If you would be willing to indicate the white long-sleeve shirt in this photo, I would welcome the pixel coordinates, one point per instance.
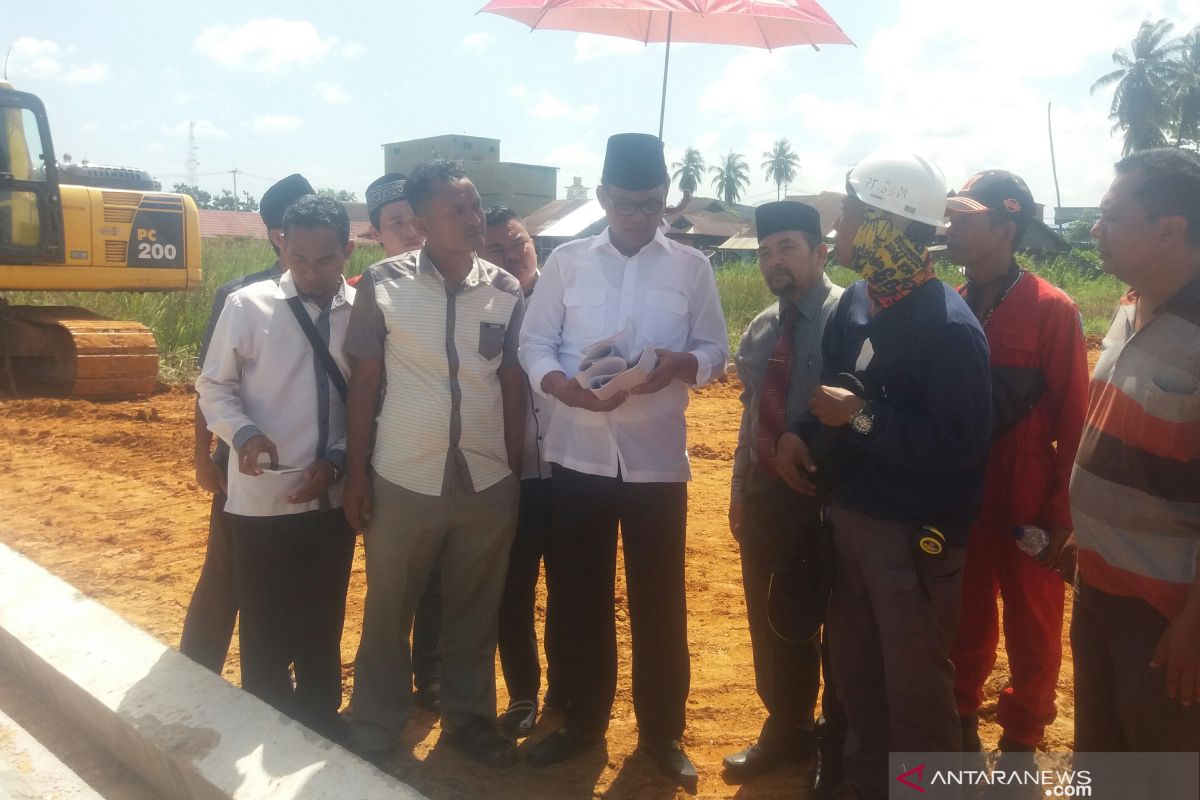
(588, 291)
(261, 376)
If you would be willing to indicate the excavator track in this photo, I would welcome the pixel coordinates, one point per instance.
(72, 352)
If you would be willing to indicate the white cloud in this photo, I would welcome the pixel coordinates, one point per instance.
(203, 129)
(351, 51)
(741, 93)
(183, 97)
(90, 127)
(132, 125)
(587, 113)
(573, 159)
(43, 59)
(593, 47)
(977, 38)
(476, 42)
(331, 92)
(272, 46)
(550, 107)
(275, 123)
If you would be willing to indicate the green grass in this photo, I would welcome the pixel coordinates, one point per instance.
(178, 318)
(743, 293)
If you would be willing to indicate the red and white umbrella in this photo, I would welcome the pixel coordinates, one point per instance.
(752, 23)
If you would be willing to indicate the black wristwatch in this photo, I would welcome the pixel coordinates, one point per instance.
(863, 420)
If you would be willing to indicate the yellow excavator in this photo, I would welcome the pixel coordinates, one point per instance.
(77, 238)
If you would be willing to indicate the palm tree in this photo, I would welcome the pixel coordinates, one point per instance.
(1187, 90)
(731, 178)
(780, 165)
(1142, 99)
(689, 171)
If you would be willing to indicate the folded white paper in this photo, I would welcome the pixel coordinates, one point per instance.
(605, 369)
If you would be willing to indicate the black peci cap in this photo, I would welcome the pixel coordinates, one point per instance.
(786, 215)
(282, 194)
(634, 161)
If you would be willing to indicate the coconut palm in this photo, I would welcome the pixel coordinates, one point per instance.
(780, 165)
(689, 171)
(1144, 79)
(731, 178)
(1187, 91)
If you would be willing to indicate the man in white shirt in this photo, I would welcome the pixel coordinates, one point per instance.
(279, 401)
(623, 461)
(444, 325)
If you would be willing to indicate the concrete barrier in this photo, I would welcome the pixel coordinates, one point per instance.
(183, 729)
(27, 769)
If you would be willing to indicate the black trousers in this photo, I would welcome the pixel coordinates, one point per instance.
(1121, 704)
(653, 520)
(292, 575)
(517, 640)
(786, 674)
(208, 626)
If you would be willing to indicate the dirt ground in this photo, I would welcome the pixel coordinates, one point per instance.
(103, 495)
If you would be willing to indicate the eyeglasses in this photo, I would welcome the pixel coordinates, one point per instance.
(650, 208)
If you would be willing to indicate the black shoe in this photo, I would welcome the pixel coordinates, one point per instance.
(479, 741)
(1007, 745)
(559, 746)
(673, 761)
(429, 697)
(970, 733)
(754, 760)
(518, 720)
(828, 778)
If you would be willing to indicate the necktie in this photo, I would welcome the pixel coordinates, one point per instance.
(772, 405)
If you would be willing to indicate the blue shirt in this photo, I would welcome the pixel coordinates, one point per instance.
(929, 383)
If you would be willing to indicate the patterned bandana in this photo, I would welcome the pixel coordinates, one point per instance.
(892, 263)
(385, 193)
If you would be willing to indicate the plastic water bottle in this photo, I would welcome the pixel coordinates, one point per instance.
(1031, 539)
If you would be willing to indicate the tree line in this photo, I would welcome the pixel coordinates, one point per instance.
(730, 178)
(1156, 94)
(226, 201)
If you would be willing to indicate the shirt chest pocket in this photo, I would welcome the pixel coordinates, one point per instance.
(491, 339)
(584, 313)
(1019, 348)
(666, 318)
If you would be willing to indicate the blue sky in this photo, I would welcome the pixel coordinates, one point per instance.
(317, 88)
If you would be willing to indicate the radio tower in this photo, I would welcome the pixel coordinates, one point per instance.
(191, 164)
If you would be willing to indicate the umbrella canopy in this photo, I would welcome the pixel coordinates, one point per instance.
(765, 23)
(751, 23)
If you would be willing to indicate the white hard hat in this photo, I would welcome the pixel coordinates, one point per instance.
(903, 184)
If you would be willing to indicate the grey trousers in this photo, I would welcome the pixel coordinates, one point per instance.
(408, 532)
(891, 621)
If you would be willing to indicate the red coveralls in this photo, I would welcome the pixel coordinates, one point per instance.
(1028, 476)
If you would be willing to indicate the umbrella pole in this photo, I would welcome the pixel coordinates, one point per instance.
(662, 111)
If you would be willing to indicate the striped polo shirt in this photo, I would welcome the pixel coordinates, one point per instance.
(441, 425)
(1135, 490)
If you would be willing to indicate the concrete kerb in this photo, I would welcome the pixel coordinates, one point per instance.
(27, 769)
(186, 731)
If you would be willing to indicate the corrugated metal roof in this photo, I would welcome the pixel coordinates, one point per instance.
(249, 225)
(574, 222)
(549, 214)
